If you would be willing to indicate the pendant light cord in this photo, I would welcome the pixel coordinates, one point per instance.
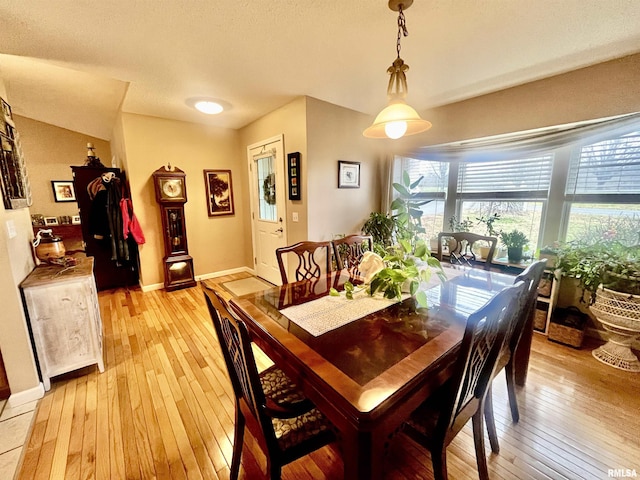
(402, 28)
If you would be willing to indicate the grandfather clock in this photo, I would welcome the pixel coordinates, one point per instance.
(171, 194)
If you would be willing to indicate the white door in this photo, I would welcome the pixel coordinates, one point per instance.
(266, 171)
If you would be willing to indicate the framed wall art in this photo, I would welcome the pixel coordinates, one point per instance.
(219, 190)
(348, 174)
(294, 175)
(51, 221)
(63, 191)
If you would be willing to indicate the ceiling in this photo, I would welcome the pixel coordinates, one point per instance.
(74, 64)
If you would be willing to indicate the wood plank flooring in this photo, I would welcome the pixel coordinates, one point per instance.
(163, 408)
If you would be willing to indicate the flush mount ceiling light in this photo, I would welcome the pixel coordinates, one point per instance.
(210, 106)
(397, 119)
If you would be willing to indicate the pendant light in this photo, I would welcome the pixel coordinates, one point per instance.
(397, 119)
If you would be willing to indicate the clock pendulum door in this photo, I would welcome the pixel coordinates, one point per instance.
(171, 193)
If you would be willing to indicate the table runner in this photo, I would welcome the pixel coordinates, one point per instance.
(328, 313)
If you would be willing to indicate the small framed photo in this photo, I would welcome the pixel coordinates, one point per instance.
(75, 220)
(293, 174)
(51, 220)
(63, 191)
(348, 174)
(219, 192)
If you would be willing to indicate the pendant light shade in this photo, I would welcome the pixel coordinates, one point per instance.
(397, 119)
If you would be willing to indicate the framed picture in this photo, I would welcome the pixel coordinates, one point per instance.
(63, 191)
(293, 174)
(75, 220)
(37, 219)
(219, 192)
(51, 220)
(348, 174)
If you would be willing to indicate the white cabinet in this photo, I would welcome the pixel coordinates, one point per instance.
(62, 306)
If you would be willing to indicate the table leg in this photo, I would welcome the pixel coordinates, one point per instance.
(363, 456)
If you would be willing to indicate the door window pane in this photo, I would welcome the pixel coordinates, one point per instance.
(266, 177)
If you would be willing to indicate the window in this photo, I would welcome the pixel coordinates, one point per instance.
(603, 191)
(432, 187)
(517, 190)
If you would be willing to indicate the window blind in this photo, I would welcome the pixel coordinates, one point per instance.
(522, 177)
(606, 167)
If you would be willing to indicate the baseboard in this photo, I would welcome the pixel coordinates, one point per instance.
(150, 288)
(26, 396)
(222, 273)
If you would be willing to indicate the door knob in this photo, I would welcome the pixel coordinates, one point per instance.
(280, 230)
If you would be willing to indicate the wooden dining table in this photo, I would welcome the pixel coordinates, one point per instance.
(367, 375)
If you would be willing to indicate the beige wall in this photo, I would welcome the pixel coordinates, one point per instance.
(335, 133)
(215, 243)
(16, 262)
(288, 120)
(603, 90)
(50, 152)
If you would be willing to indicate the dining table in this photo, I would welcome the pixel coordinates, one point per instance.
(366, 362)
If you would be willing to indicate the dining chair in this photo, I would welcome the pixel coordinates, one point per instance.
(522, 319)
(314, 260)
(286, 425)
(348, 250)
(461, 248)
(439, 419)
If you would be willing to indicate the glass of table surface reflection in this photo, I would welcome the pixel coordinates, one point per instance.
(368, 374)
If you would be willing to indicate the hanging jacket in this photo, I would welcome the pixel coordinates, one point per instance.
(130, 224)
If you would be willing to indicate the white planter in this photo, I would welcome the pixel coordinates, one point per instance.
(619, 314)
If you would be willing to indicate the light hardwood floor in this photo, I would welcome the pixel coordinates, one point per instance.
(163, 409)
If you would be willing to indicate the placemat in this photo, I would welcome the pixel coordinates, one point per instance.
(328, 313)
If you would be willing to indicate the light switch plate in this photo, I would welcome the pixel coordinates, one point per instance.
(295, 216)
(11, 229)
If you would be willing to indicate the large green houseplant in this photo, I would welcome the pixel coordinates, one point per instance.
(610, 271)
(407, 262)
(610, 263)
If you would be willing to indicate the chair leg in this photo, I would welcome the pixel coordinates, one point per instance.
(478, 440)
(490, 421)
(511, 390)
(275, 470)
(439, 461)
(238, 441)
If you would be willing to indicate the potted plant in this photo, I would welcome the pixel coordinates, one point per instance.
(610, 272)
(514, 240)
(406, 264)
(381, 227)
(490, 231)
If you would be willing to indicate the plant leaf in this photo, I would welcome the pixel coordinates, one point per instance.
(421, 299)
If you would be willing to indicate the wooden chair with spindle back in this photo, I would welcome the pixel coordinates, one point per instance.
(348, 251)
(314, 260)
(461, 251)
(286, 425)
(439, 419)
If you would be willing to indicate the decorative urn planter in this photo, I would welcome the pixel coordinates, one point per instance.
(619, 314)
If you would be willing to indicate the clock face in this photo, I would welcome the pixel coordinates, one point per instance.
(171, 188)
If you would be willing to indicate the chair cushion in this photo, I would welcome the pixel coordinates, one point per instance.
(278, 387)
(291, 432)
